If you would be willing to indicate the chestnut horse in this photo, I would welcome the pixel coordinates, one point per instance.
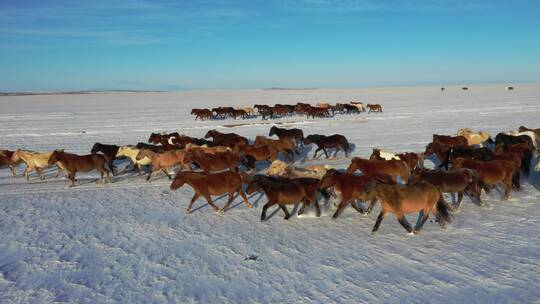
(225, 139)
(455, 181)
(5, 160)
(213, 162)
(202, 114)
(284, 191)
(73, 163)
(374, 107)
(258, 153)
(211, 184)
(350, 187)
(450, 141)
(424, 198)
(323, 142)
(490, 173)
(393, 168)
(522, 150)
(295, 134)
(164, 160)
(284, 145)
(317, 112)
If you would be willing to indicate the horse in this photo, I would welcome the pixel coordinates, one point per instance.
(261, 107)
(5, 160)
(183, 140)
(455, 181)
(279, 168)
(211, 184)
(201, 114)
(131, 153)
(73, 163)
(154, 148)
(238, 113)
(356, 109)
(285, 145)
(349, 188)
(302, 108)
(522, 150)
(323, 142)
(508, 139)
(475, 138)
(536, 131)
(218, 161)
(284, 191)
(249, 110)
(450, 141)
(359, 105)
(109, 151)
(261, 152)
(424, 198)
(205, 149)
(441, 151)
(164, 139)
(34, 161)
(163, 161)
(534, 139)
(266, 113)
(280, 110)
(225, 139)
(393, 168)
(382, 155)
(295, 134)
(374, 108)
(490, 173)
(318, 112)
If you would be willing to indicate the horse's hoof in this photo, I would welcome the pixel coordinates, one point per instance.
(188, 211)
(250, 206)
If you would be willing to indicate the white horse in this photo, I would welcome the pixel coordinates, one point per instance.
(531, 134)
(131, 153)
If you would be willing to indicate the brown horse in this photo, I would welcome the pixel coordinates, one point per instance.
(225, 139)
(400, 200)
(323, 142)
(202, 114)
(284, 191)
(295, 134)
(284, 145)
(258, 153)
(393, 168)
(164, 139)
(490, 173)
(450, 141)
(441, 151)
(164, 160)
(455, 181)
(350, 187)
(317, 112)
(374, 107)
(211, 184)
(239, 113)
(412, 159)
(5, 160)
(72, 163)
(213, 162)
(522, 150)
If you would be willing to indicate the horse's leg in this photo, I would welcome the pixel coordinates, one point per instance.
(378, 222)
(371, 205)
(508, 186)
(39, 172)
(193, 199)
(150, 175)
(357, 208)
(325, 153)
(26, 172)
(164, 170)
(265, 207)
(315, 155)
(209, 200)
(304, 204)
(317, 208)
(340, 207)
(71, 176)
(244, 197)
(13, 173)
(403, 221)
(422, 218)
(459, 198)
(287, 215)
(231, 194)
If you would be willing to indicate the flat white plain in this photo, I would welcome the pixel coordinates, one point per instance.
(131, 242)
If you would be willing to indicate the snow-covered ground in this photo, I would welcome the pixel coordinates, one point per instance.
(131, 242)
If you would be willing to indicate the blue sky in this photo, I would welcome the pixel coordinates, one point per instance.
(174, 45)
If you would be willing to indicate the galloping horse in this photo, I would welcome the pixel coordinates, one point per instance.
(5, 160)
(400, 200)
(109, 151)
(374, 108)
(393, 168)
(202, 114)
(285, 145)
(213, 162)
(131, 153)
(323, 142)
(295, 134)
(212, 184)
(34, 161)
(163, 161)
(225, 139)
(72, 163)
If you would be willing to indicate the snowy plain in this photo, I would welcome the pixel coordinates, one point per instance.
(131, 242)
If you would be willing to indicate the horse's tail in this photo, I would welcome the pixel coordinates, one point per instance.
(345, 144)
(443, 211)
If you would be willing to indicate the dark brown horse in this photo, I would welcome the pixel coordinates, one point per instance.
(424, 198)
(211, 184)
(295, 134)
(317, 112)
(350, 187)
(455, 181)
(284, 191)
(225, 139)
(5, 160)
(284, 145)
(72, 163)
(323, 142)
(393, 168)
(214, 162)
(522, 150)
(490, 173)
(509, 140)
(202, 114)
(109, 151)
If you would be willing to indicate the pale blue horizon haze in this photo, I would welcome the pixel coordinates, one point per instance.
(176, 45)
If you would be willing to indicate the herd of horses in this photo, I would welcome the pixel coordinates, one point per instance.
(222, 163)
(320, 110)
